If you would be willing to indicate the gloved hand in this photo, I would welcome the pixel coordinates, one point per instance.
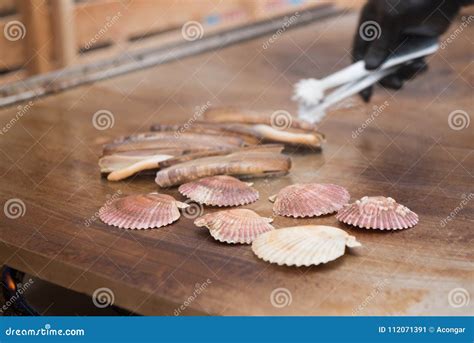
(384, 26)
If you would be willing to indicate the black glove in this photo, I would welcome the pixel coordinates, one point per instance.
(385, 25)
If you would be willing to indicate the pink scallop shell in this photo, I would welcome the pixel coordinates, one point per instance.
(235, 226)
(141, 211)
(309, 200)
(221, 190)
(378, 213)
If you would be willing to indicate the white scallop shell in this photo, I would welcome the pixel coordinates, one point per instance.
(303, 245)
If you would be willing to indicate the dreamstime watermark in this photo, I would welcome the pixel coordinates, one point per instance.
(192, 30)
(22, 288)
(286, 24)
(459, 120)
(14, 30)
(199, 288)
(465, 21)
(21, 111)
(281, 297)
(108, 202)
(370, 30)
(458, 297)
(103, 120)
(103, 297)
(375, 291)
(376, 111)
(109, 22)
(198, 112)
(281, 120)
(14, 208)
(454, 213)
(193, 210)
(44, 331)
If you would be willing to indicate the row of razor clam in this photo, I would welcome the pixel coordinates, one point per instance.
(225, 141)
(204, 160)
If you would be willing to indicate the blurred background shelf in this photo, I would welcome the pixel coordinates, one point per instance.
(54, 34)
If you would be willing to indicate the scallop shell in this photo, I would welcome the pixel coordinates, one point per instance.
(309, 200)
(235, 226)
(221, 190)
(303, 245)
(141, 211)
(378, 213)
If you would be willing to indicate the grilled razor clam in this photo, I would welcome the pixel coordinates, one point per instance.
(170, 140)
(289, 136)
(111, 163)
(249, 136)
(277, 148)
(146, 164)
(121, 160)
(135, 165)
(240, 164)
(158, 162)
(279, 120)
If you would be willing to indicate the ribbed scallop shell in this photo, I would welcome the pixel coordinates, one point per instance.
(378, 213)
(303, 245)
(309, 200)
(141, 211)
(235, 226)
(221, 190)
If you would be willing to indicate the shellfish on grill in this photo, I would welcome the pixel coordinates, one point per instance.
(235, 226)
(377, 212)
(243, 132)
(277, 127)
(141, 211)
(242, 116)
(118, 161)
(309, 200)
(247, 162)
(141, 165)
(303, 245)
(166, 140)
(120, 167)
(220, 190)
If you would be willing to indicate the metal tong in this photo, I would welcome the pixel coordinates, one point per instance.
(310, 93)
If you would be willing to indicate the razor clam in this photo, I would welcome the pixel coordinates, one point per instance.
(239, 164)
(146, 164)
(290, 136)
(121, 160)
(249, 136)
(163, 140)
(114, 163)
(285, 130)
(188, 157)
(236, 115)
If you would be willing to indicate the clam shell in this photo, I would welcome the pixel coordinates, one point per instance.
(235, 226)
(309, 200)
(221, 190)
(141, 211)
(303, 245)
(259, 161)
(378, 213)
